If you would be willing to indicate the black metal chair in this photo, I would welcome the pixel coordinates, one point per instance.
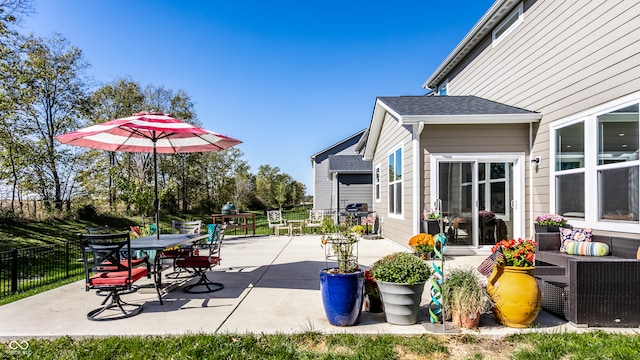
(99, 230)
(109, 272)
(181, 227)
(200, 264)
(135, 261)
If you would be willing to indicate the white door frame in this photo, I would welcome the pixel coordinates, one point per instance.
(518, 201)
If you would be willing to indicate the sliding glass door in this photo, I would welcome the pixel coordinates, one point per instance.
(481, 198)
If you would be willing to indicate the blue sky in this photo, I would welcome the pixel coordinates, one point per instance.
(288, 78)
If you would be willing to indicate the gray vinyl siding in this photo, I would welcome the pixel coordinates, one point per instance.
(398, 230)
(466, 139)
(355, 188)
(566, 57)
(322, 185)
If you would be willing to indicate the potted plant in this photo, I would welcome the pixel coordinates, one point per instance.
(511, 286)
(431, 222)
(357, 229)
(549, 223)
(422, 245)
(341, 286)
(464, 297)
(372, 300)
(400, 277)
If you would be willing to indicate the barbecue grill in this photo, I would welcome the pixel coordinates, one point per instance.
(356, 211)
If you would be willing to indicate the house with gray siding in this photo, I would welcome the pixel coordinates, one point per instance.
(341, 176)
(535, 111)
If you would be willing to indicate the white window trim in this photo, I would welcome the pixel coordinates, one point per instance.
(496, 40)
(591, 167)
(518, 180)
(391, 215)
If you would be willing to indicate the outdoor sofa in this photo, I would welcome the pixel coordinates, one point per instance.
(590, 290)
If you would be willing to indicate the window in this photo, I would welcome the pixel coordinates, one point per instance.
(376, 182)
(395, 182)
(507, 25)
(598, 153)
(442, 89)
(569, 167)
(618, 164)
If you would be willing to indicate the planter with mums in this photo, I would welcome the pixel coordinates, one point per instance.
(401, 277)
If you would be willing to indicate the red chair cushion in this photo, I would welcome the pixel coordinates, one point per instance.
(198, 261)
(107, 266)
(117, 278)
(176, 252)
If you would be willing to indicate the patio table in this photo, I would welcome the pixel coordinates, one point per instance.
(151, 243)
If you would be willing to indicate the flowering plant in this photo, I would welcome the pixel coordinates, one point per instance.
(513, 252)
(370, 285)
(358, 229)
(550, 219)
(486, 214)
(369, 220)
(422, 243)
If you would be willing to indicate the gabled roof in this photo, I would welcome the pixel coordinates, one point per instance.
(352, 164)
(340, 143)
(484, 26)
(403, 107)
(425, 110)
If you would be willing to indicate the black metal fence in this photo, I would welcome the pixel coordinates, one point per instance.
(29, 268)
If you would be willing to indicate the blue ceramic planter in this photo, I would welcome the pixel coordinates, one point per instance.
(342, 297)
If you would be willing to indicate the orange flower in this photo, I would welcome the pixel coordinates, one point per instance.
(516, 252)
(422, 242)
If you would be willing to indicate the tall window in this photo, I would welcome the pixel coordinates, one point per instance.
(376, 182)
(597, 167)
(395, 182)
(618, 164)
(570, 170)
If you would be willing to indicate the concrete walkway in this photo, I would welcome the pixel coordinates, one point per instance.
(271, 286)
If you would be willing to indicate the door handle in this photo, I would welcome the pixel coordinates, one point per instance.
(514, 204)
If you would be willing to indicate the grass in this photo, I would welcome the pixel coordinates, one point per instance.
(18, 233)
(312, 345)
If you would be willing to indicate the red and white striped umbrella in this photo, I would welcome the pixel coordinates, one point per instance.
(148, 132)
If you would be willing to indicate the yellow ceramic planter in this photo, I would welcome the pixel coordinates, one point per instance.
(515, 295)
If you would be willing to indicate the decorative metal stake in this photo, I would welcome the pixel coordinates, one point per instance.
(436, 280)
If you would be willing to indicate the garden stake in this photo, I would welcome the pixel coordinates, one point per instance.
(436, 280)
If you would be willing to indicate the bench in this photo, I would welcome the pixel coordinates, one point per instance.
(590, 290)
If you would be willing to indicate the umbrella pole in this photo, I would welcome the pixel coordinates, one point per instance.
(156, 203)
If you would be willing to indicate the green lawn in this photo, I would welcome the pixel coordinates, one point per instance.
(312, 345)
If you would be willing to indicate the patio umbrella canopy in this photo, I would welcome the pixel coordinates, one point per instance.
(148, 132)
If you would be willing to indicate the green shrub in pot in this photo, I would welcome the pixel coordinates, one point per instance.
(402, 268)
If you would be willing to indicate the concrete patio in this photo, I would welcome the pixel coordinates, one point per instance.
(271, 286)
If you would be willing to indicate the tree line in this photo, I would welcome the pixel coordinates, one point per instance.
(45, 90)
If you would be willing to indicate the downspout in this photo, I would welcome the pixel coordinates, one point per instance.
(417, 176)
(531, 166)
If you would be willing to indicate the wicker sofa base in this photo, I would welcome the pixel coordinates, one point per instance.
(554, 291)
(588, 290)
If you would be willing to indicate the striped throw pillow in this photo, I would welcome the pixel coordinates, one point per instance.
(585, 248)
(567, 234)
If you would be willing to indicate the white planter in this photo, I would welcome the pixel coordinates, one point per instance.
(401, 302)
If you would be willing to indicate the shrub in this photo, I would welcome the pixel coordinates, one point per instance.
(87, 212)
(401, 267)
